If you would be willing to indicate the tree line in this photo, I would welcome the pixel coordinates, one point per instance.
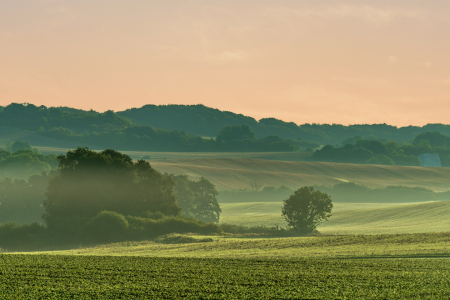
(362, 151)
(182, 128)
(145, 138)
(107, 189)
(103, 197)
(205, 121)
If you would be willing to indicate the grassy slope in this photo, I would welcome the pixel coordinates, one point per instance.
(405, 245)
(375, 222)
(238, 173)
(349, 218)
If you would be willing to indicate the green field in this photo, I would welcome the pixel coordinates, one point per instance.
(237, 170)
(365, 250)
(350, 218)
(239, 173)
(319, 247)
(371, 266)
(96, 277)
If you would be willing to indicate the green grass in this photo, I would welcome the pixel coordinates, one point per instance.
(233, 173)
(95, 277)
(349, 246)
(351, 218)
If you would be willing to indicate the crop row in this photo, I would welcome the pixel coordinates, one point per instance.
(100, 277)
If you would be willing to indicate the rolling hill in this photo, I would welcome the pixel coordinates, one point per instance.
(240, 173)
(351, 218)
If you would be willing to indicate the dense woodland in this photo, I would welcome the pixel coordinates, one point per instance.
(22, 161)
(110, 130)
(191, 128)
(97, 197)
(361, 151)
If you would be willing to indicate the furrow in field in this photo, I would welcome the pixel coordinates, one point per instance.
(238, 173)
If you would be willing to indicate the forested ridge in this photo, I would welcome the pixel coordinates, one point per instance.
(206, 121)
(192, 128)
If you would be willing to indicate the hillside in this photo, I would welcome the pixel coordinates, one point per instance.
(351, 218)
(207, 121)
(9, 135)
(236, 173)
(181, 128)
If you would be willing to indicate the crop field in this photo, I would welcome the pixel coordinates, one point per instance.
(350, 218)
(239, 173)
(261, 247)
(95, 277)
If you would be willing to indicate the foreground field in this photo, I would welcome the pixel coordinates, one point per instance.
(63, 277)
(239, 173)
(81, 277)
(350, 218)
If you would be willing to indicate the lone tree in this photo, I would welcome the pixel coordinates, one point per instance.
(306, 208)
(90, 182)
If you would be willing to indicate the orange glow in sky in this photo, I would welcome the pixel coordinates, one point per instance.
(312, 61)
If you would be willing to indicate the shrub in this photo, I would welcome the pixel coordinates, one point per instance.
(175, 238)
(27, 237)
(106, 227)
(154, 215)
(380, 159)
(144, 228)
(260, 230)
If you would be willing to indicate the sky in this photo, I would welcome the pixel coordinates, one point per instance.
(309, 61)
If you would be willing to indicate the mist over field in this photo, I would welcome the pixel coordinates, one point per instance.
(224, 149)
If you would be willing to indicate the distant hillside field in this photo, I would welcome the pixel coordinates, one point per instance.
(240, 173)
(351, 218)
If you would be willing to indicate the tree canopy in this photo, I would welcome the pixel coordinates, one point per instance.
(24, 163)
(181, 128)
(306, 208)
(198, 199)
(90, 182)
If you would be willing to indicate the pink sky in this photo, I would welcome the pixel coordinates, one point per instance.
(303, 61)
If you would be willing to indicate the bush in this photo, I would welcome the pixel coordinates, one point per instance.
(106, 227)
(28, 237)
(67, 230)
(259, 230)
(144, 228)
(175, 238)
(380, 159)
(154, 215)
